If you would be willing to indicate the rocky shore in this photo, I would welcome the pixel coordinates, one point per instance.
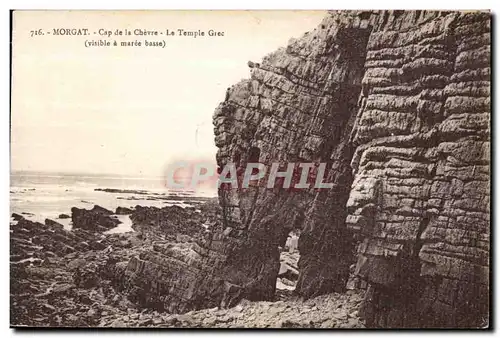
(328, 311)
(82, 277)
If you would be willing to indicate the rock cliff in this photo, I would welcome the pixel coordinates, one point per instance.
(397, 103)
(420, 195)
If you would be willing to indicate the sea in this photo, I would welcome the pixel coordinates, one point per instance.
(41, 195)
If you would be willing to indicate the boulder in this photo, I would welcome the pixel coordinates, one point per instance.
(123, 211)
(97, 219)
(16, 217)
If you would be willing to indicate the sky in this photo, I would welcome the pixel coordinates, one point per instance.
(131, 110)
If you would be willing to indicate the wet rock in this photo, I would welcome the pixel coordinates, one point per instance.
(34, 241)
(169, 222)
(97, 219)
(123, 211)
(52, 223)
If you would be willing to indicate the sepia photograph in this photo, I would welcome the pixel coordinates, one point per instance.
(271, 169)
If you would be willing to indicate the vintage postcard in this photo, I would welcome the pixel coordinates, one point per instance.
(250, 169)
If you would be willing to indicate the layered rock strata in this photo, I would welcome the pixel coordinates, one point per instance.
(420, 195)
(33, 242)
(76, 277)
(397, 103)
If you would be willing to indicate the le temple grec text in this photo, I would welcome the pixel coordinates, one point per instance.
(104, 32)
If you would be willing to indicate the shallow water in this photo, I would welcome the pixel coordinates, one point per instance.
(38, 196)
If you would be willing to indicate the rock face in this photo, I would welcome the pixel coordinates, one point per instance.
(174, 275)
(420, 195)
(397, 103)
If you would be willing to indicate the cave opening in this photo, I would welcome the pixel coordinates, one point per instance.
(288, 273)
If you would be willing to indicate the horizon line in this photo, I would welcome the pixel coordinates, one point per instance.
(76, 173)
